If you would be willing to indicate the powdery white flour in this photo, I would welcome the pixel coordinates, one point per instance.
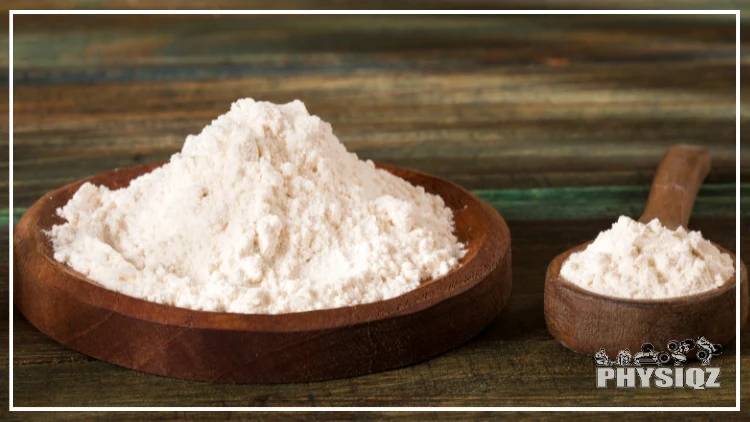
(263, 212)
(648, 261)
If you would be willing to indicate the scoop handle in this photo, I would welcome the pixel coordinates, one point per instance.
(676, 184)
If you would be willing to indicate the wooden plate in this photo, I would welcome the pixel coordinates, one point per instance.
(296, 347)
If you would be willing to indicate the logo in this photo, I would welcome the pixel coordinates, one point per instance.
(650, 366)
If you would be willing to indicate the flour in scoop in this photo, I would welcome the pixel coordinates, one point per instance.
(263, 212)
(648, 261)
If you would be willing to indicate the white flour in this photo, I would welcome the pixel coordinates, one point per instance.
(648, 261)
(263, 212)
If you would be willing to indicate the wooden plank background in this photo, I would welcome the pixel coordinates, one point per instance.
(540, 114)
(514, 362)
(489, 102)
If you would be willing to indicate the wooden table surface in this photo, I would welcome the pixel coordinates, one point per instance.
(557, 121)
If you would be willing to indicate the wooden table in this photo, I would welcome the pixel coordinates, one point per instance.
(557, 121)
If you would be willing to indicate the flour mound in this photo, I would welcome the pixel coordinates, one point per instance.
(263, 212)
(648, 261)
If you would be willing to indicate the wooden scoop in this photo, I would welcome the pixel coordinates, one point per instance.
(296, 347)
(585, 321)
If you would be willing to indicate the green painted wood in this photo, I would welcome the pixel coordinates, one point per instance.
(582, 203)
(504, 102)
(169, 47)
(544, 117)
(513, 362)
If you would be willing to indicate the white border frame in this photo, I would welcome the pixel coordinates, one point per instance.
(736, 13)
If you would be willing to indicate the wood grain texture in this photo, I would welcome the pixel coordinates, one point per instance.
(388, 416)
(374, 4)
(514, 361)
(487, 102)
(577, 203)
(238, 348)
(490, 103)
(675, 186)
(587, 322)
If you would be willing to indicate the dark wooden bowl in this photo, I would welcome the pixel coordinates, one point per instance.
(296, 347)
(585, 321)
